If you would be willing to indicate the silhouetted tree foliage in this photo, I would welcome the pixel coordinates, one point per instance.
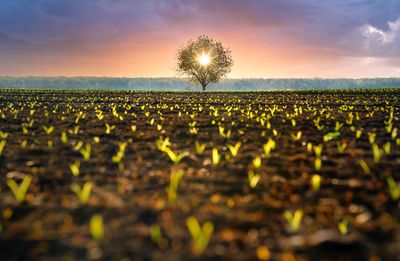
(219, 65)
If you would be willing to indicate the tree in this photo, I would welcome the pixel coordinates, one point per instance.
(204, 61)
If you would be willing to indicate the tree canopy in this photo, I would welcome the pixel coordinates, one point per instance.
(204, 61)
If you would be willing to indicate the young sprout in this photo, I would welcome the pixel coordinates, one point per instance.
(376, 152)
(48, 130)
(82, 193)
(175, 157)
(24, 143)
(222, 133)
(109, 128)
(97, 227)
(86, 151)
(338, 126)
(293, 122)
(234, 149)
(296, 137)
(309, 147)
(318, 150)
(364, 166)
(394, 133)
(121, 153)
(2, 146)
(216, 157)
(253, 179)
(162, 145)
(19, 191)
(3, 135)
(394, 189)
(159, 127)
(200, 147)
(294, 219)
(172, 189)
(343, 226)
(331, 135)
(155, 234)
(200, 234)
(268, 147)
(133, 128)
(358, 134)
(74, 167)
(341, 147)
(387, 147)
(64, 137)
(371, 137)
(316, 182)
(96, 139)
(257, 162)
(317, 164)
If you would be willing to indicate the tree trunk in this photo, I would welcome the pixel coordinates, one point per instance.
(204, 87)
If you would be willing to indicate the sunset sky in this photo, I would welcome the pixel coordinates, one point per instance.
(139, 38)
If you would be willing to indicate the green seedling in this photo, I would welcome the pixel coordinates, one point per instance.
(172, 189)
(175, 157)
(364, 166)
(318, 164)
(387, 147)
(97, 227)
(133, 128)
(155, 234)
(3, 135)
(394, 189)
(343, 226)
(82, 193)
(64, 137)
(376, 152)
(223, 134)
(78, 146)
(338, 126)
(162, 145)
(121, 153)
(371, 137)
(109, 128)
(394, 133)
(341, 147)
(316, 182)
(309, 147)
(253, 179)
(331, 135)
(318, 150)
(200, 234)
(86, 151)
(256, 162)
(358, 134)
(296, 137)
(2, 146)
(216, 157)
(19, 191)
(200, 147)
(294, 219)
(268, 147)
(74, 167)
(48, 130)
(234, 149)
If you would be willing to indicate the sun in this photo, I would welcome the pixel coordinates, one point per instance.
(204, 59)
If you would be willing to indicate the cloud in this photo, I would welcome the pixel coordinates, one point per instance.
(380, 42)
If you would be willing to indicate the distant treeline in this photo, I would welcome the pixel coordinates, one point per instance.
(183, 84)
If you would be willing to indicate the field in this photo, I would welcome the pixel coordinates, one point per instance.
(107, 175)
